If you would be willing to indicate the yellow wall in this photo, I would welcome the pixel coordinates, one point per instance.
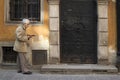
(112, 24)
(7, 31)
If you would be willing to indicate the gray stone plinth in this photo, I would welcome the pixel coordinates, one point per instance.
(78, 69)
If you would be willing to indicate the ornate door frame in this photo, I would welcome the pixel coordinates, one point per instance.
(54, 50)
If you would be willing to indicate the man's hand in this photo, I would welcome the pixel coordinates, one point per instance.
(30, 36)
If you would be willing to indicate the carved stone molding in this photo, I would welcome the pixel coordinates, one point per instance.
(53, 1)
(113, 0)
(103, 1)
(54, 53)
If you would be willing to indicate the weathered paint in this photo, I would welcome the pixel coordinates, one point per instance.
(112, 24)
(7, 31)
(112, 32)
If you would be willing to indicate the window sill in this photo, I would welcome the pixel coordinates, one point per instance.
(19, 22)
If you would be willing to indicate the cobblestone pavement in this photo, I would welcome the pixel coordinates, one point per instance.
(13, 75)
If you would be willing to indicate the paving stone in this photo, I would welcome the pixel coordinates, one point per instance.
(13, 75)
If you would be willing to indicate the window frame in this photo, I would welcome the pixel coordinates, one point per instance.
(7, 15)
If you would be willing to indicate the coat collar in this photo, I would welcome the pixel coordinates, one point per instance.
(23, 27)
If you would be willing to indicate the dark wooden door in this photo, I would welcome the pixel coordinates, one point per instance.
(118, 27)
(78, 31)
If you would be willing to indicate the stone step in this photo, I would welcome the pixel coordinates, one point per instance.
(78, 69)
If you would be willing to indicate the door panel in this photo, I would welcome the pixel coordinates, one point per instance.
(78, 31)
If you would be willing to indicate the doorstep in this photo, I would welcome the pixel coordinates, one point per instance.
(78, 68)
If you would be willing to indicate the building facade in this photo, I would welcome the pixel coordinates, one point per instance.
(68, 31)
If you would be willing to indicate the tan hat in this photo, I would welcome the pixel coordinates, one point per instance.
(26, 21)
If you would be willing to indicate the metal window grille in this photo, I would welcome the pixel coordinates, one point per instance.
(39, 57)
(20, 9)
(9, 56)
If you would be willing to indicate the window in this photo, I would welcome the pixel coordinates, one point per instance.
(9, 56)
(16, 10)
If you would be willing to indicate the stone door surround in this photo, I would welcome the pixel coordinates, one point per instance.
(102, 50)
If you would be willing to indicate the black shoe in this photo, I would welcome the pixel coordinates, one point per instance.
(19, 71)
(28, 72)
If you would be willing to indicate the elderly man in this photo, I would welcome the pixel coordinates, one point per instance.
(21, 46)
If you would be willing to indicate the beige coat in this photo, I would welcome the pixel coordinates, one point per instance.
(21, 41)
